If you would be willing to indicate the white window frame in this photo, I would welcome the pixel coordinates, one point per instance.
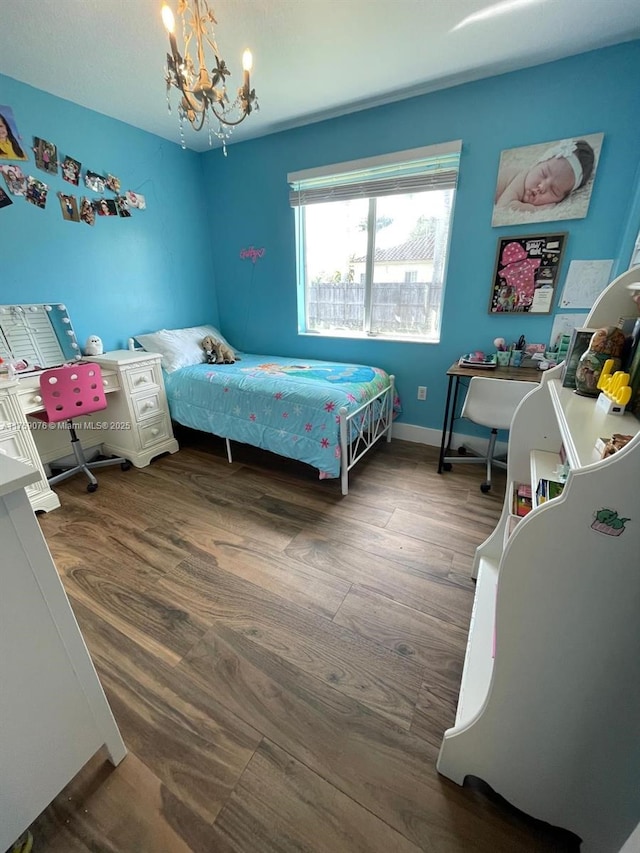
(414, 170)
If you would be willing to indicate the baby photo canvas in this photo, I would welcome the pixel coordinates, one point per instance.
(546, 182)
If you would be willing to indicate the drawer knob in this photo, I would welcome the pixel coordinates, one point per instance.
(37, 398)
(147, 406)
(142, 380)
(155, 431)
(105, 382)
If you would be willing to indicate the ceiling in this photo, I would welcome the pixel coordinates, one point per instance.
(313, 59)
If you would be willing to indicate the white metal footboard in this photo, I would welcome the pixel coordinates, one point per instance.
(370, 425)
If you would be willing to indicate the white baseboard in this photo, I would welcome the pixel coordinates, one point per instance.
(433, 437)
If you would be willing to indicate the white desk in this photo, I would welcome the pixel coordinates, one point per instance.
(136, 423)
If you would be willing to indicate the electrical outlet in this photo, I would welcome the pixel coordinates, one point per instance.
(422, 392)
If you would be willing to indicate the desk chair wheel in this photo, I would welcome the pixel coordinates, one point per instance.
(124, 466)
(447, 466)
(92, 487)
(462, 450)
(485, 487)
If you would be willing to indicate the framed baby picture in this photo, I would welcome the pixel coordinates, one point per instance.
(546, 182)
(526, 273)
(580, 340)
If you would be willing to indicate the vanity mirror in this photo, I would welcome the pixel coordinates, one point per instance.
(37, 336)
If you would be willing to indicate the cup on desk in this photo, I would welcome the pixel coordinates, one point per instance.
(503, 357)
(516, 358)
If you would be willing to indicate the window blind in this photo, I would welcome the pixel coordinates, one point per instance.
(420, 169)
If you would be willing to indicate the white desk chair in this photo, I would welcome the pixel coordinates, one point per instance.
(490, 403)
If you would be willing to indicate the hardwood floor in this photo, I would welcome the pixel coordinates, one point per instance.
(281, 661)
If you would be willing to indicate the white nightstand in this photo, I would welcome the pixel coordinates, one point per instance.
(139, 424)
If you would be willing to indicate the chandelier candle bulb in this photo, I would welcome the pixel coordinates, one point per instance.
(247, 62)
(168, 20)
(170, 25)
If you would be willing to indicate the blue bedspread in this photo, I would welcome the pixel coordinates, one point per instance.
(286, 405)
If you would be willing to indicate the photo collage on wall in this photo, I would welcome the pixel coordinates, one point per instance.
(47, 159)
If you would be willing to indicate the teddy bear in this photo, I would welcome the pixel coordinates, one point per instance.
(217, 352)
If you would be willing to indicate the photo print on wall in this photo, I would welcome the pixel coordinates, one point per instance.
(5, 200)
(113, 183)
(15, 179)
(546, 182)
(136, 200)
(46, 155)
(123, 205)
(94, 181)
(69, 207)
(36, 192)
(105, 207)
(87, 213)
(71, 170)
(11, 147)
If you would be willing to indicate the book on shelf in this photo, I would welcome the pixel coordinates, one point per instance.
(522, 499)
(547, 490)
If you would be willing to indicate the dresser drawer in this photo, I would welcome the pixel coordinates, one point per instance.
(147, 406)
(142, 378)
(155, 431)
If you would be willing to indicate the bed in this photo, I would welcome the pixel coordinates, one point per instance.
(326, 414)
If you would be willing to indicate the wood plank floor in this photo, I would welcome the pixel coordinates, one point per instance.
(281, 661)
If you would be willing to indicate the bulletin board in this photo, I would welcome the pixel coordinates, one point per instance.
(526, 273)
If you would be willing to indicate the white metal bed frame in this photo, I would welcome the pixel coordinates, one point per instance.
(371, 429)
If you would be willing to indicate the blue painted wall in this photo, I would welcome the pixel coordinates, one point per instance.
(177, 263)
(122, 276)
(590, 93)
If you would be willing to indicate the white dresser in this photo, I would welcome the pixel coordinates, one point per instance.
(136, 423)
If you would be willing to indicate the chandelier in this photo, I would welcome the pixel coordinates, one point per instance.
(204, 93)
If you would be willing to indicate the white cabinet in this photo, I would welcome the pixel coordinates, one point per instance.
(53, 712)
(549, 706)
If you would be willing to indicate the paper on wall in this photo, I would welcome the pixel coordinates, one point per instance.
(563, 324)
(584, 283)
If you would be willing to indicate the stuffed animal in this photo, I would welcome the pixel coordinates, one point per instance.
(217, 352)
(93, 346)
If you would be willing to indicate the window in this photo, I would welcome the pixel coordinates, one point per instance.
(372, 239)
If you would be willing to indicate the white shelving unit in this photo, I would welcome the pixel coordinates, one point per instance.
(549, 705)
(53, 712)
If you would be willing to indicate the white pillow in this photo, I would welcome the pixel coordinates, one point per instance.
(179, 347)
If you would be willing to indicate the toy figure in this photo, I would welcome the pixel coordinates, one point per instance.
(217, 352)
(605, 344)
(93, 346)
